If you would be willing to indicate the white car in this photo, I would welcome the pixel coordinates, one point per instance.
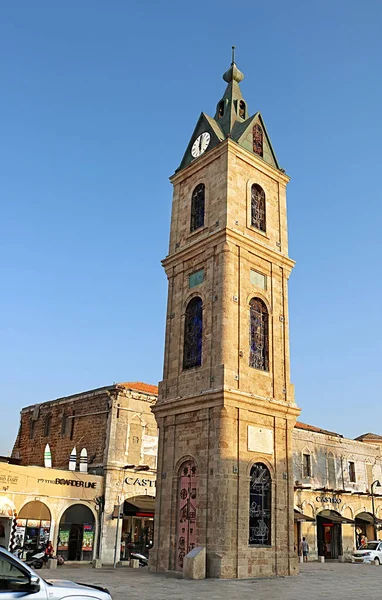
(372, 552)
(17, 580)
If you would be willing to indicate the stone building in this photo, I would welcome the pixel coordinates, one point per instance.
(226, 408)
(114, 426)
(336, 484)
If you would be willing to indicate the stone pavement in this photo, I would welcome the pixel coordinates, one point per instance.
(315, 582)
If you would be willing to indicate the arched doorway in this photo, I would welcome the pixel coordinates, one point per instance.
(76, 533)
(32, 527)
(364, 526)
(138, 525)
(329, 533)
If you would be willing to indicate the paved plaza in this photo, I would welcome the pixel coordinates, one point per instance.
(316, 582)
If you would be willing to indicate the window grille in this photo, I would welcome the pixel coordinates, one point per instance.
(258, 140)
(193, 334)
(258, 207)
(258, 334)
(197, 207)
(260, 505)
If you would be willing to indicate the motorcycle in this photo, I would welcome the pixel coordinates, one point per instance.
(36, 561)
(143, 560)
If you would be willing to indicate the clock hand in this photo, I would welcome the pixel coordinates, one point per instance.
(200, 144)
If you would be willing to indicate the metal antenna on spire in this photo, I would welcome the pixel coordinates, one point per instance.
(233, 54)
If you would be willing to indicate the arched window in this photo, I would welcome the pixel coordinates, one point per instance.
(258, 140)
(260, 505)
(242, 109)
(187, 511)
(258, 207)
(220, 109)
(197, 207)
(258, 335)
(193, 334)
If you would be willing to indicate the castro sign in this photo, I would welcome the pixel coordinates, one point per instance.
(141, 482)
(329, 499)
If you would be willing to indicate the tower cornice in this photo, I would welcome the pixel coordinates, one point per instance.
(226, 147)
(227, 235)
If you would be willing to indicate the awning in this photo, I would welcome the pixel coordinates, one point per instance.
(367, 518)
(299, 516)
(330, 515)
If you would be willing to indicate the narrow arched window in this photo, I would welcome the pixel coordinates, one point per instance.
(220, 109)
(193, 334)
(258, 140)
(197, 207)
(258, 335)
(260, 505)
(242, 109)
(258, 207)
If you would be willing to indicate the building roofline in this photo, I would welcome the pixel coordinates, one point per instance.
(95, 392)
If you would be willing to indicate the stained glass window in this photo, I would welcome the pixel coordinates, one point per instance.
(193, 334)
(260, 505)
(258, 140)
(258, 335)
(197, 207)
(258, 207)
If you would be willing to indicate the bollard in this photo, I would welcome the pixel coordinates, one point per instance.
(321, 559)
(341, 559)
(134, 563)
(97, 564)
(52, 563)
(300, 559)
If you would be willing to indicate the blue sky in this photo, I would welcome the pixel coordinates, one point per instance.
(98, 101)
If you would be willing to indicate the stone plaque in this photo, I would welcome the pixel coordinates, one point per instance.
(260, 440)
(258, 279)
(196, 278)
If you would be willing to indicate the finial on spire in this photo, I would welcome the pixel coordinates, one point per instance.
(233, 55)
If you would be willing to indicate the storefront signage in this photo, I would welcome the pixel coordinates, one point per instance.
(138, 481)
(329, 499)
(73, 482)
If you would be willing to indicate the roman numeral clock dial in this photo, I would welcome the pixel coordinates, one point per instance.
(200, 145)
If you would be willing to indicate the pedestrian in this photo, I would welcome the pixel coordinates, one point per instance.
(304, 548)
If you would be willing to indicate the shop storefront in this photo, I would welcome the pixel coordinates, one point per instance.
(75, 539)
(33, 525)
(7, 511)
(329, 533)
(137, 526)
(42, 504)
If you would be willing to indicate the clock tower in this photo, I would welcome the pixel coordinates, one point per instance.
(226, 409)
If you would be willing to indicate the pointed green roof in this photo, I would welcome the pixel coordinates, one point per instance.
(232, 120)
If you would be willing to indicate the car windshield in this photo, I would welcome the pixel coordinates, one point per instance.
(371, 546)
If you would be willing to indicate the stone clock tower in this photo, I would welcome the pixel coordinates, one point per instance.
(226, 407)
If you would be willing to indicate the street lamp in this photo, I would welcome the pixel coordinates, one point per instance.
(120, 507)
(376, 484)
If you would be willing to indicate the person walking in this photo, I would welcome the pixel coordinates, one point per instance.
(304, 548)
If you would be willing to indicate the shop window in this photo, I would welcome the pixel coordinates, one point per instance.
(258, 207)
(260, 505)
(76, 533)
(197, 207)
(47, 425)
(193, 334)
(306, 465)
(258, 335)
(187, 511)
(351, 466)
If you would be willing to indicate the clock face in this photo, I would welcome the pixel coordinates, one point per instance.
(200, 145)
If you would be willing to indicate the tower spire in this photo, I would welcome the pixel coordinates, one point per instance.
(232, 106)
(233, 55)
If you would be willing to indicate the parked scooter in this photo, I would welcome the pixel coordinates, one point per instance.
(36, 561)
(143, 560)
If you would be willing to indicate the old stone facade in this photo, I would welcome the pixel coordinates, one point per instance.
(117, 428)
(226, 409)
(333, 486)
